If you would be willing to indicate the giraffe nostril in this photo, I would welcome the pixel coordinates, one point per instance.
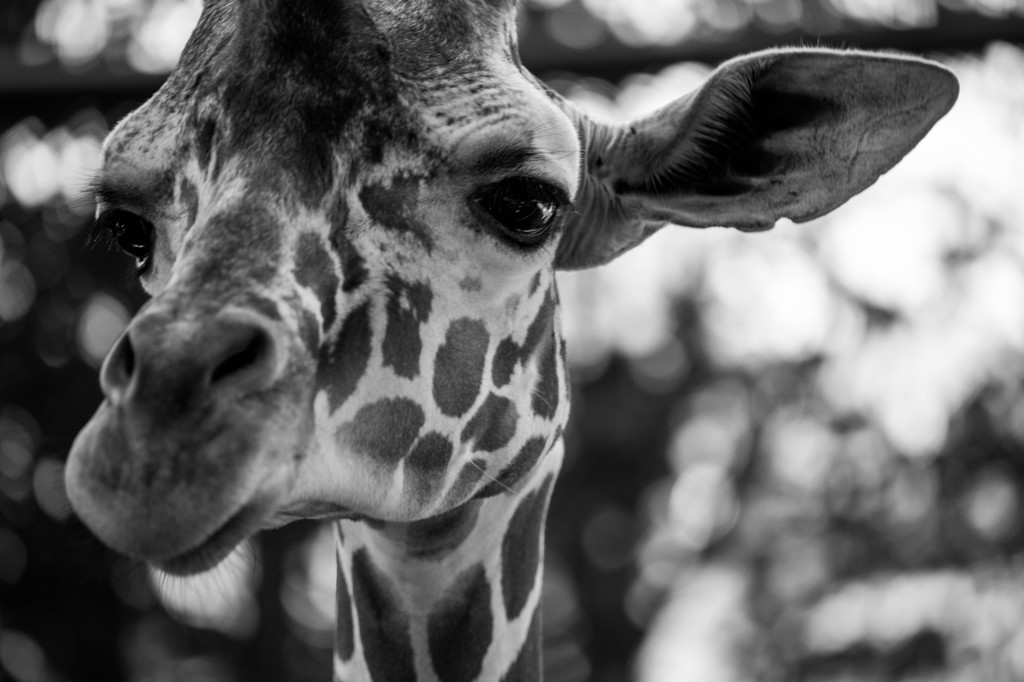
(118, 368)
(226, 354)
(128, 358)
(248, 354)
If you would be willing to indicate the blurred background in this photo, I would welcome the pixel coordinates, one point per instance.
(793, 456)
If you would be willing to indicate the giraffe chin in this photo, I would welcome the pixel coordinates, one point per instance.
(125, 492)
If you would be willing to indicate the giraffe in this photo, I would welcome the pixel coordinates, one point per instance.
(348, 215)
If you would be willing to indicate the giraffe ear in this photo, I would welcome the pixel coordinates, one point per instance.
(778, 134)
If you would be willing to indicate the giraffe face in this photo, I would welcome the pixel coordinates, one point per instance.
(353, 308)
(348, 215)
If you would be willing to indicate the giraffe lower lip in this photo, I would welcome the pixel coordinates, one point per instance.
(217, 546)
(315, 511)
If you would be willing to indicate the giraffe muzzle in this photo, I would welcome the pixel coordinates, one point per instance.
(180, 362)
(198, 440)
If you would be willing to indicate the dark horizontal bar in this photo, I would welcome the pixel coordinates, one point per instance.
(611, 59)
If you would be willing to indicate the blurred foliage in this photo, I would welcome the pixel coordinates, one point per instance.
(841, 418)
(146, 36)
(793, 456)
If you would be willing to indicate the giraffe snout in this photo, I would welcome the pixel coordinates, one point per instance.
(198, 441)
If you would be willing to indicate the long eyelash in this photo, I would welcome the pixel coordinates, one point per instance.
(93, 186)
(141, 269)
(133, 278)
(92, 189)
(101, 234)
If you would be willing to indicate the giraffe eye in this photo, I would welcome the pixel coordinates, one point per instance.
(133, 234)
(526, 209)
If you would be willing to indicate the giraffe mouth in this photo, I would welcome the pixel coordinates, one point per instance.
(313, 511)
(218, 544)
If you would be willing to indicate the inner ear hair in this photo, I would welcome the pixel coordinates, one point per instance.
(720, 128)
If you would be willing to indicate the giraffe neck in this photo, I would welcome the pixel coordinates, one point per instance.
(454, 598)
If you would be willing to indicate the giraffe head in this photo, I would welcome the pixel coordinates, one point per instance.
(349, 215)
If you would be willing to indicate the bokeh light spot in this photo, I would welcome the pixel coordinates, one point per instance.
(643, 23)
(705, 439)
(993, 505)
(801, 450)
(17, 291)
(102, 320)
(77, 30)
(702, 506)
(22, 657)
(159, 38)
(38, 166)
(662, 370)
(307, 594)
(18, 440)
(767, 303)
(692, 637)
(31, 166)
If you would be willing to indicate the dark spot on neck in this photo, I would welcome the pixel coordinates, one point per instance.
(383, 623)
(521, 548)
(527, 666)
(460, 627)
